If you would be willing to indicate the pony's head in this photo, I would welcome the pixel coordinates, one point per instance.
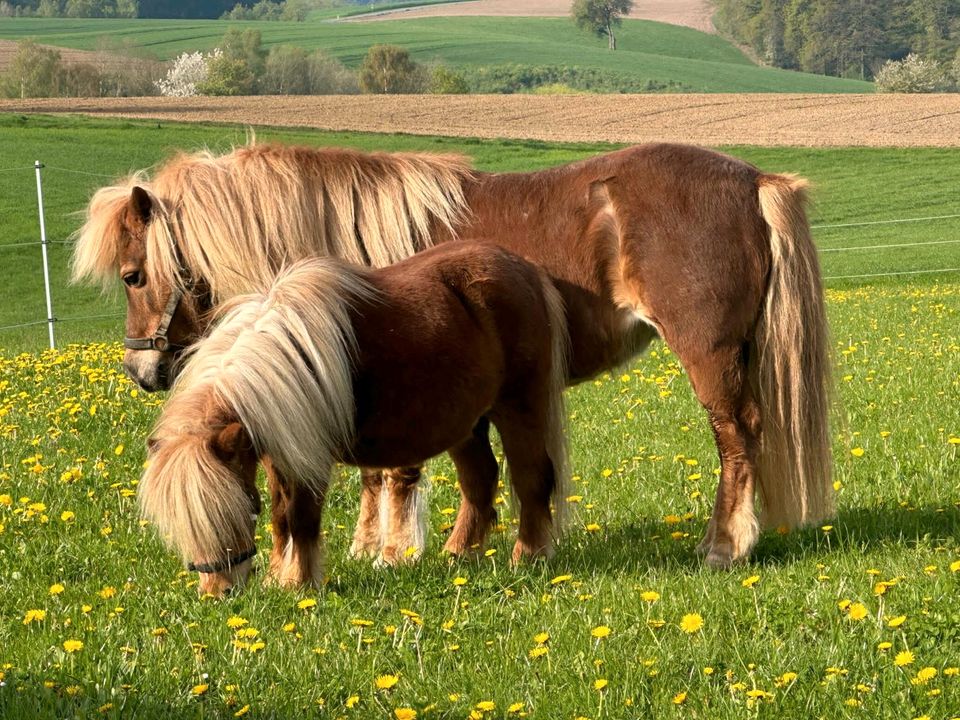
(127, 235)
(199, 488)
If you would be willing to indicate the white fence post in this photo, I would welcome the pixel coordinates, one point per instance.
(43, 245)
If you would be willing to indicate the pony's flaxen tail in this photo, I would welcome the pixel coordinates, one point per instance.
(792, 366)
(556, 435)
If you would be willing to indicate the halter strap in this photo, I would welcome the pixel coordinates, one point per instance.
(159, 340)
(222, 565)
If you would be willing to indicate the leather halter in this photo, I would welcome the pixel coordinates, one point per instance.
(222, 565)
(159, 340)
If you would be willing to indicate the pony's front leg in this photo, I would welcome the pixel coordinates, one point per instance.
(367, 538)
(297, 556)
(403, 524)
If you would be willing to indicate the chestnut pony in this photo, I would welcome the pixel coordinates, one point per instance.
(705, 251)
(383, 368)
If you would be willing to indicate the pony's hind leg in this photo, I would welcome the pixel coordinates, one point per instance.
(367, 539)
(719, 378)
(297, 556)
(477, 473)
(402, 520)
(533, 479)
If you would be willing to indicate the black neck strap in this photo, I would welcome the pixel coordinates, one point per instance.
(222, 565)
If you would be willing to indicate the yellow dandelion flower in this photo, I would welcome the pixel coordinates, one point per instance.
(591, 527)
(405, 713)
(453, 697)
(951, 671)
(352, 701)
(600, 684)
(486, 706)
(236, 622)
(750, 581)
(118, 450)
(289, 627)
(67, 516)
(904, 657)
(361, 622)
(459, 581)
(649, 596)
(242, 711)
(385, 682)
(926, 674)
(857, 611)
(56, 588)
(108, 592)
(306, 604)
(955, 566)
(884, 646)
(680, 698)
(600, 632)
(200, 689)
(32, 616)
(516, 708)
(785, 679)
(857, 452)
(691, 623)
(72, 646)
(897, 621)
(560, 579)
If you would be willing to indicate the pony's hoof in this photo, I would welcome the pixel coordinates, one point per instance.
(360, 549)
(523, 551)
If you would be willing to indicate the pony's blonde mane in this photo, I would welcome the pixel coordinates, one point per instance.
(281, 364)
(235, 220)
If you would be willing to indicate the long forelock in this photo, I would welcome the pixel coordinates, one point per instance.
(197, 503)
(98, 242)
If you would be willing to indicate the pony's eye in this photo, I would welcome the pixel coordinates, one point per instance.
(132, 279)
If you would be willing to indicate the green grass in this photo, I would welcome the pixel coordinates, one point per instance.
(646, 50)
(71, 441)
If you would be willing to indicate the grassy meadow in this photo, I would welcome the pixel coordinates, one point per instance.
(680, 57)
(855, 619)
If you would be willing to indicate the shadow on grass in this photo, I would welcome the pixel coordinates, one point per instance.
(641, 546)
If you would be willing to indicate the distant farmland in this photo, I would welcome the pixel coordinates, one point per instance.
(663, 55)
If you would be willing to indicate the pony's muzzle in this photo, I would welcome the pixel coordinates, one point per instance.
(151, 370)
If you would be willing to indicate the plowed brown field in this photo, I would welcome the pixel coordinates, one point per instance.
(761, 119)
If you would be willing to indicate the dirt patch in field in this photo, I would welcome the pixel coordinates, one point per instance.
(102, 60)
(691, 13)
(753, 119)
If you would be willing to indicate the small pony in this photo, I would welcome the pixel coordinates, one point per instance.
(379, 368)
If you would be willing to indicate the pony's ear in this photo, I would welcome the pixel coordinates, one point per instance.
(140, 206)
(230, 441)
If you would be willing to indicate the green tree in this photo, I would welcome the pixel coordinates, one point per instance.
(245, 46)
(33, 72)
(389, 69)
(444, 81)
(601, 16)
(227, 76)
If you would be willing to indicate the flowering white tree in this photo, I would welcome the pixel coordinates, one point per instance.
(913, 74)
(187, 71)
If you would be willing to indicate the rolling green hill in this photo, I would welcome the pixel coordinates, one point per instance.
(662, 54)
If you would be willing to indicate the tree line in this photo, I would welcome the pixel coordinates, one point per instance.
(844, 38)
